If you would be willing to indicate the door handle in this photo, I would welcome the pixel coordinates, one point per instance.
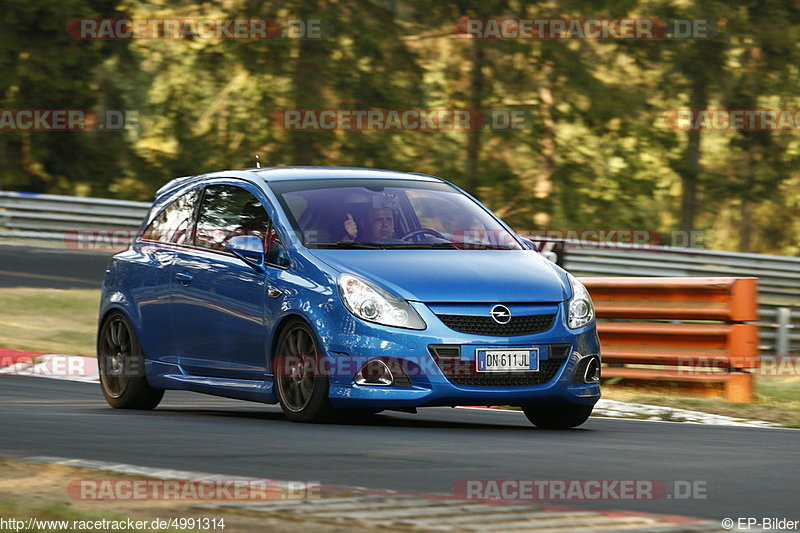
(184, 278)
(272, 292)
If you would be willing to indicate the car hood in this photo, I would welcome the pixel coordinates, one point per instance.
(454, 275)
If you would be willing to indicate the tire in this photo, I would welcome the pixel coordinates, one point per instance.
(302, 389)
(121, 364)
(558, 416)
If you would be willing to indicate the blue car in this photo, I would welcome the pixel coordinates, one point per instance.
(342, 292)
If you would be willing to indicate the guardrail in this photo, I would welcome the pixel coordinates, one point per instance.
(686, 333)
(54, 217)
(778, 280)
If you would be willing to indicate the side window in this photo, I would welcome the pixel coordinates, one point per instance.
(226, 211)
(174, 224)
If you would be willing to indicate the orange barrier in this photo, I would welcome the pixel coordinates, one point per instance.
(678, 333)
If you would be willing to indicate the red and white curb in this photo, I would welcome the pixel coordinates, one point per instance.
(414, 511)
(617, 409)
(48, 365)
(657, 413)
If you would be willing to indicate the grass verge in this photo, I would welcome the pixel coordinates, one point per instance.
(777, 400)
(49, 320)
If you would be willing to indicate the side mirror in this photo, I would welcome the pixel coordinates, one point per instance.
(530, 244)
(553, 251)
(249, 249)
(280, 258)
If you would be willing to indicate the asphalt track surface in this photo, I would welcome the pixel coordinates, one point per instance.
(747, 472)
(56, 268)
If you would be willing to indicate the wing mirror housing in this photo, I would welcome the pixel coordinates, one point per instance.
(529, 243)
(249, 249)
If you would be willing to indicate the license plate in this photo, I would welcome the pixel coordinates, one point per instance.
(508, 360)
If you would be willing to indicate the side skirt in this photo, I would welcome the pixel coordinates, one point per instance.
(171, 377)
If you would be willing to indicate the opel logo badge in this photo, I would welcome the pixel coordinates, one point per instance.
(501, 314)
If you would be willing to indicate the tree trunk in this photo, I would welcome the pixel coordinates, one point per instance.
(306, 82)
(746, 231)
(698, 100)
(471, 180)
(547, 145)
(746, 220)
(38, 180)
(753, 83)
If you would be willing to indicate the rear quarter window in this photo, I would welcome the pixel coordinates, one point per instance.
(174, 224)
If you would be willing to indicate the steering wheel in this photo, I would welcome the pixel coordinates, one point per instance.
(423, 231)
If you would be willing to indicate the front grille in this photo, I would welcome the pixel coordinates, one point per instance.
(463, 372)
(485, 325)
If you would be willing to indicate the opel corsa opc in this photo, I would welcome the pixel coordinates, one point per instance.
(342, 291)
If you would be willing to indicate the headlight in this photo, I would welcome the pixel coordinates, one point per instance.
(374, 304)
(581, 309)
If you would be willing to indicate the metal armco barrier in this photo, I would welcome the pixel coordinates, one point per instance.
(778, 280)
(61, 218)
(679, 333)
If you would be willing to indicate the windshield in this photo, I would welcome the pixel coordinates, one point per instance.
(357, 213)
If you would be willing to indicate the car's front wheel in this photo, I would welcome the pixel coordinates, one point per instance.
(302, 386)
(121, 364)
(558, 416)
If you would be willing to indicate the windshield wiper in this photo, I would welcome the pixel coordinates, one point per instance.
(345, 244)
(474, 246)
(423, 245)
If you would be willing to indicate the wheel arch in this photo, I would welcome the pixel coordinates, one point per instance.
(108, 311)
(278, 329)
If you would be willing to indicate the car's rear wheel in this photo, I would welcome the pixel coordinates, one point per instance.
(558, 416)
(301, 384)
(121, 365)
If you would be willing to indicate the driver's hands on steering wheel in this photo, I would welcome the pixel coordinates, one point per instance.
(423, 231)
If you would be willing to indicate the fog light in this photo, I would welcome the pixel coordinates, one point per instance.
(592, 373)
(375, 373)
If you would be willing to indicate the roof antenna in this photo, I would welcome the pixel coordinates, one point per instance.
(258, 163)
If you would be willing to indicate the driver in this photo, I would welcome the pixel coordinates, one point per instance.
(380, 225)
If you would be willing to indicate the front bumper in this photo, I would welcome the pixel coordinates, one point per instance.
(357, 341)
